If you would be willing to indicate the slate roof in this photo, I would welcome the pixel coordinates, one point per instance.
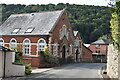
(102, 41)
(42, 22)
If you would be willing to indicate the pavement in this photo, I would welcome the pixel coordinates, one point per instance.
(40, 70)
(103, 73)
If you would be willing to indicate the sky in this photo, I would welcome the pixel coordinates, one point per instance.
(81, 2)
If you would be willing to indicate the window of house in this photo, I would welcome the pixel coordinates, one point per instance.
(1, 42)
(27, 47)
(63, 32)
(97, 51)
(55, 49)
(97, 46)
(16, 30)
(41, 44)
(70, 53)
(29, 30)
(13, 43)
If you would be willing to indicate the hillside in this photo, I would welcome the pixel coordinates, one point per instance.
(91, 21)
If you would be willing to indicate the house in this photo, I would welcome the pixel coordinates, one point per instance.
(100, 48)
(7, 66)
(84, 53)
(35, 31)
(77, 46)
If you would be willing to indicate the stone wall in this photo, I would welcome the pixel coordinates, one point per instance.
(112, 62)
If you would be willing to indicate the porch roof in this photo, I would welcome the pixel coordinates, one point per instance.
(5, 49)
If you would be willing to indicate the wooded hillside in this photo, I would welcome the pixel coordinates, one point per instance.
(91, 21)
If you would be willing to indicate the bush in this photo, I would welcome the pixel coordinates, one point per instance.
(70, 59)
(18, 59)
(28, 69)
(48, 58)
(51, 59)
(61, 61)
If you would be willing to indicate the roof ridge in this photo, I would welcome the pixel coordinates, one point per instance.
(38, 12)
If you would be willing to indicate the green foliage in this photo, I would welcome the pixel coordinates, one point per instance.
(18, 59)
(115, 25)
(18, 54)
(48, 58)
(28, 69)
(91, 21)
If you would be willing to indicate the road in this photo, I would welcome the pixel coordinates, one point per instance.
(77, 70)
(69, 72)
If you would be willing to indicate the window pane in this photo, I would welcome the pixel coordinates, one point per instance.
(13, 41)
(1, 40)
(27, 46)
(41, 41)
(27, 41)
(97, 46)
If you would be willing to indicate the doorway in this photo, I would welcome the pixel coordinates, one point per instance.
(63, 54)
(77, 52)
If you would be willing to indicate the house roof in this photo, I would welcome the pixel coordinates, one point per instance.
(42, 23)
(87, 48)
(6, 49)
(102, 41)
(87, 45)
(75, 33)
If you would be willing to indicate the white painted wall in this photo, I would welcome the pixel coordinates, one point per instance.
(11, 69)
(1, 64)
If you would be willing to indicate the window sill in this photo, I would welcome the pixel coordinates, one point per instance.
(32, 55)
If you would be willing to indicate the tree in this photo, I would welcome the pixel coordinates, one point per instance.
(115, 25)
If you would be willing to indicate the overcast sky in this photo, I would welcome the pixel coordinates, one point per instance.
(86, 2)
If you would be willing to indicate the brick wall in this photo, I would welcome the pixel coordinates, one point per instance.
(87, 54)
(103, 48)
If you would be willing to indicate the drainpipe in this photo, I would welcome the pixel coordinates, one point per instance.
(4, 64)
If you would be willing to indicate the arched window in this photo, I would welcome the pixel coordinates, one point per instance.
(13, 43)
(1, 42)
(63, 32)
(26, 46)
(55, 49)
(41, 44)
(70, 49)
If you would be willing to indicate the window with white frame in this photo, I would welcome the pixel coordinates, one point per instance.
(55, 49)
(13, 43)
(26, 46)
(29, 30)
(41, 44)
(16, 30)
(97, 46)
(1, 42)
(63, 32)
(70, 53)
